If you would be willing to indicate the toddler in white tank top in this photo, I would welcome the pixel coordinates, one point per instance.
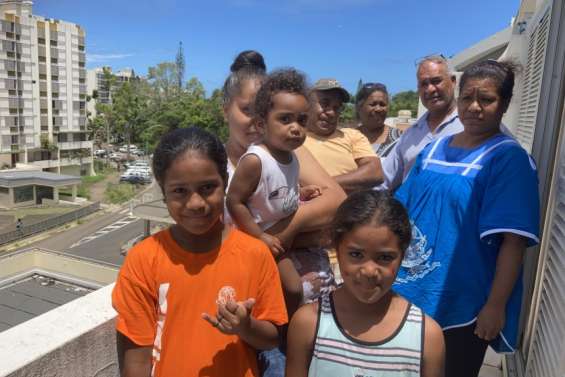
(265, 187)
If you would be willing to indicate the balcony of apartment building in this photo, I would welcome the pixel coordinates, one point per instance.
(41, 51)
(55, 87)
(43, 86)
(13, 84)
(13, 66)
(11, 46)
(73, 141)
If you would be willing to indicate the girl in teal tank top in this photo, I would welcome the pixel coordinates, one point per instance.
(364, 329)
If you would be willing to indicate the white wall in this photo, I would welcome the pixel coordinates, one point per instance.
(76, 339)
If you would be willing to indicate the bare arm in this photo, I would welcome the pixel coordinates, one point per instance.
(133, 360)
(317, 213)
(368, 174)
(508, 264)
(261, 335)
(242, 186)
(301, 337)
(434, 350)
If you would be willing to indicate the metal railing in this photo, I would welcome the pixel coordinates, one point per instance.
(52, 222)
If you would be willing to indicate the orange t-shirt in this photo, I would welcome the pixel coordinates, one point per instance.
(162, 290)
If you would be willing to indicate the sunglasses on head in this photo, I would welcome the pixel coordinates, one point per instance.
(373, 86)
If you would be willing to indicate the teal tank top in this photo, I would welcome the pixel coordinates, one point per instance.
(338, 354)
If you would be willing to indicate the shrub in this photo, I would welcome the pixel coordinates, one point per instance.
(119, 193)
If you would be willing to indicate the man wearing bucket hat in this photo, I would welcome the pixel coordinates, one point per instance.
(345, 153)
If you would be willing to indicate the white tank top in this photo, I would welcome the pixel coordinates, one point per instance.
(277, 193)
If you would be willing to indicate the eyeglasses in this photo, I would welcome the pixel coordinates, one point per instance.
(431, 57)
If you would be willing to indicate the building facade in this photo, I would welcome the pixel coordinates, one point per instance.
(42, 92)
(101, 82)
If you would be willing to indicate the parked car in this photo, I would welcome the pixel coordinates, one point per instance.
(132, 148)
(136, 178)
(139, 164)
(115, 156)
(100, 153)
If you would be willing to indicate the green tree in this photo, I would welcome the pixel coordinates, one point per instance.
(407, 100)
(347, 116)
(129, 105)
(163, 80)
(180, 65)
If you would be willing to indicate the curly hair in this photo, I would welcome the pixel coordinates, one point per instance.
(379, 208)
(287, 80)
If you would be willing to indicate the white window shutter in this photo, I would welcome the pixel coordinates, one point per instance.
(533, 72)
(546, 357)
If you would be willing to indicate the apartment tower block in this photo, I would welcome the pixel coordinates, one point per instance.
(42, 92)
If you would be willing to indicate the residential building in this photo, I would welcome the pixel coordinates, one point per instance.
(42, 92)
(101, 82)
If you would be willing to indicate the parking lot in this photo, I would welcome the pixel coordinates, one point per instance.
(136, 163)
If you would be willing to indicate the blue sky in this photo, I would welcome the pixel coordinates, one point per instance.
(372, 40)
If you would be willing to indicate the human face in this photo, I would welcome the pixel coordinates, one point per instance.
(194, 193)
(324, 112)
(480, 107)
(435, 86)
(238, 114)
(369, 257)
(285, 127)
(374, 109)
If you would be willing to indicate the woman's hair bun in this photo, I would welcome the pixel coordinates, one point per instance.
(248, 60)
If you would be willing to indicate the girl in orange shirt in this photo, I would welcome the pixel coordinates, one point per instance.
(199, 298)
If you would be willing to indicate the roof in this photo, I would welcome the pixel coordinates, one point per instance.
(22, 178)
(35, 295)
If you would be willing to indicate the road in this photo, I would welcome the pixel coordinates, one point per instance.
(102, 235)
(98, 238)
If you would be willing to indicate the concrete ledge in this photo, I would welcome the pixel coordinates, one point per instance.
(76, 339)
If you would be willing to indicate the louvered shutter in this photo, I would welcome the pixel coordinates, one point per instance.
(533, 72)
(546, 356)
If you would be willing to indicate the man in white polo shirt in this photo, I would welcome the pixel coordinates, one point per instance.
(436, 88)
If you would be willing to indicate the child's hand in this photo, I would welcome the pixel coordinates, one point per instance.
(309, 192)
(490, 321)
(233, 318)
(274, 244)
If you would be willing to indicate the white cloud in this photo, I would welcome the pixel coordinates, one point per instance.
(97, 58)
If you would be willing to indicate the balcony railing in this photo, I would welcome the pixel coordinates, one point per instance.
(64, 145)
(44, 164)
(66, 161)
